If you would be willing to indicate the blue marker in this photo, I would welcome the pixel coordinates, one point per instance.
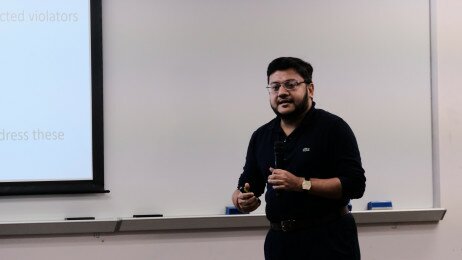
(379, 205)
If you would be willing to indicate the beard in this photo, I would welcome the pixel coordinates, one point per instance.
(300, 108)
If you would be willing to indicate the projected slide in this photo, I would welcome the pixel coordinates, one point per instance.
(45, 90)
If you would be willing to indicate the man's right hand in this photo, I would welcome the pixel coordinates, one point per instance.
(246, 201)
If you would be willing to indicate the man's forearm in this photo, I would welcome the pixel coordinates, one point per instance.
(327, 188)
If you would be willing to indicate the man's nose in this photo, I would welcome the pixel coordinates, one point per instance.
(282, 91)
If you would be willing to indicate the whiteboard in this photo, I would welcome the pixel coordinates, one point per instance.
(184, 88)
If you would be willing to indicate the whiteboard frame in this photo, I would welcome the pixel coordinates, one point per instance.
(221, 222)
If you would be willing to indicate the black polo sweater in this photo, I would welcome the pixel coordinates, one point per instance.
(322, 146)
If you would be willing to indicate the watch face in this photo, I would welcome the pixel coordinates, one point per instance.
(306, 185)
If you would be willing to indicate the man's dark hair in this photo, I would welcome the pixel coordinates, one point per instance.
(284, 63)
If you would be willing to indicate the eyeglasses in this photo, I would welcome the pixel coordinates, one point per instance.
(289, 85)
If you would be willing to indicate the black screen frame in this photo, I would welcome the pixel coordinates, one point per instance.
(96, 185)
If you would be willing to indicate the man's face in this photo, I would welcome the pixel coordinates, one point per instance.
(290, 104)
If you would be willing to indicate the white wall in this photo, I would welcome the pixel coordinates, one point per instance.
(423, 241)
(434, 241)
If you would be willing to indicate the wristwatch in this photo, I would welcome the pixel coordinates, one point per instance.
(306, 184)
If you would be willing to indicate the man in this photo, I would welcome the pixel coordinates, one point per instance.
(321, 171)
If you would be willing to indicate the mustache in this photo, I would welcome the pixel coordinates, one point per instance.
(284, 100)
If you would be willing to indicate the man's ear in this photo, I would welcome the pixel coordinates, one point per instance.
(311, 90)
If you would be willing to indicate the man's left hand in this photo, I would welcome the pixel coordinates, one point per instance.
(284, 180)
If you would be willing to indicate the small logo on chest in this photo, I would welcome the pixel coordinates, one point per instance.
(306, 149)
